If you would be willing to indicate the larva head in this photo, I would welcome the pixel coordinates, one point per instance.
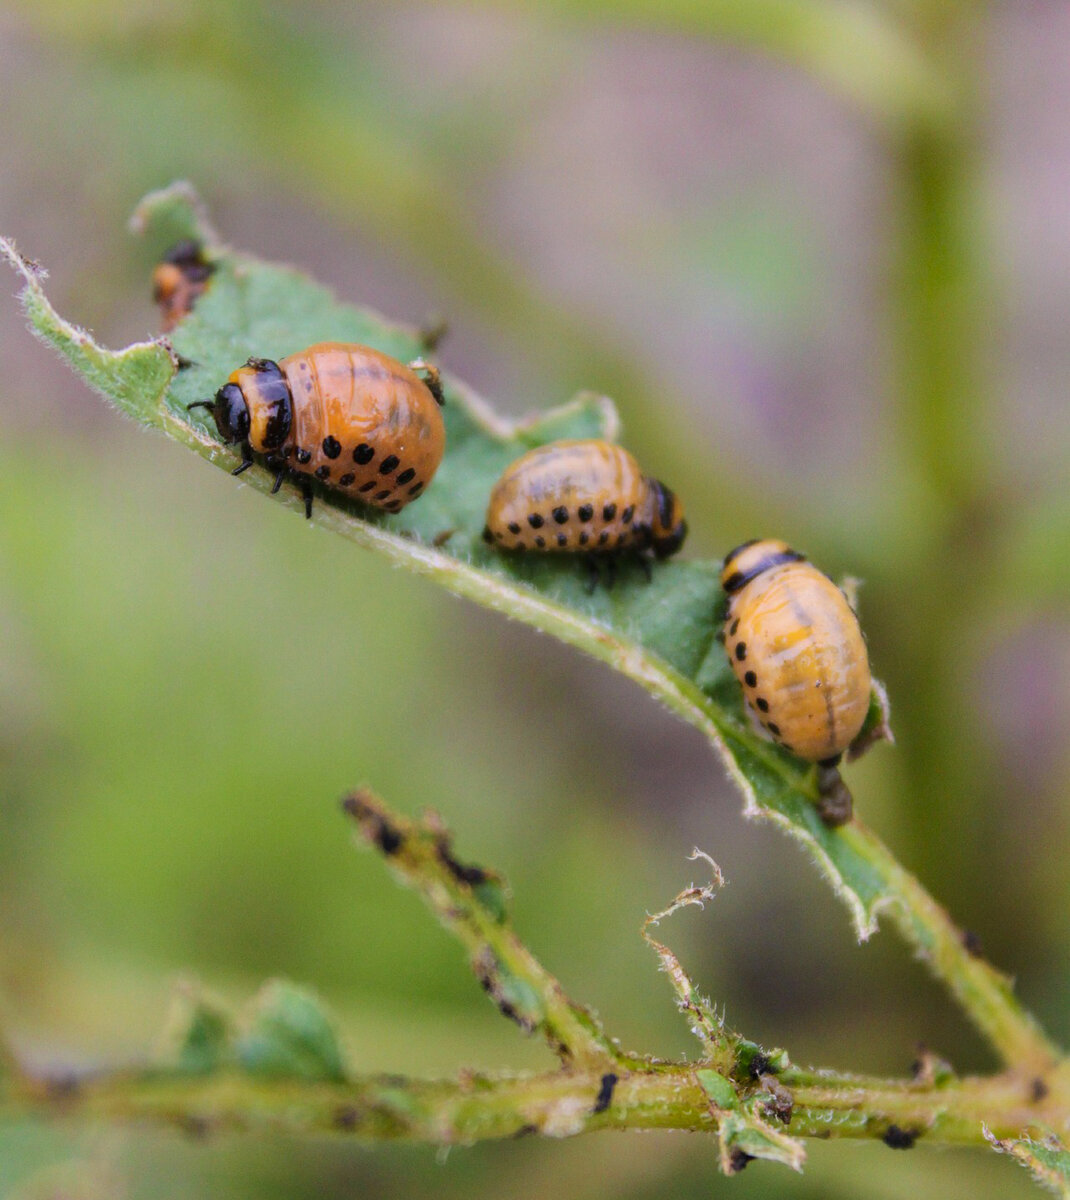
(253, 406)
(748, 561)
(230, 413)
(180, 277)
(668, 528)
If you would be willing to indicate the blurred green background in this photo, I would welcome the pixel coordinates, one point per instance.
(820, 256)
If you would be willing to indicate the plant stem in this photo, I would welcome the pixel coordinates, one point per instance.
(985, 994)
(476, 1107)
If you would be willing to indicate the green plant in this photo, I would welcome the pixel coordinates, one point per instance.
(282, 1068)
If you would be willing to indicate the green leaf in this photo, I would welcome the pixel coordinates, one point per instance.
(721, 1092)
(202, 1034)
(291, 1036)
(1046, 1158)
(742, 1132)
(661, 633)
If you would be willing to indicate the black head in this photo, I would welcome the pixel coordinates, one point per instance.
(670, 528)
(188, 256)
(230, 412)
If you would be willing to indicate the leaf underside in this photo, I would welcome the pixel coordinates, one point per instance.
(661, 633)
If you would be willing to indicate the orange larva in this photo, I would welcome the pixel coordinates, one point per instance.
(796, 647)
(346, 415)
(582, 497)
(179, 278)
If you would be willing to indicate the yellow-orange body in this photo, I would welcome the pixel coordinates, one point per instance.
(582, 496)
(178, 281)
(361, 422)
(796, 647)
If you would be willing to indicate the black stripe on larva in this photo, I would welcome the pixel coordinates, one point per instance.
(416, 487)
(584, 539)
(540, 541)
(665, 500)
(739, 549)
(367, 487)
(393, 506)
(323, 472)
(405, 476)
(605, 1093)
(585, 512)
(628, 513)
(735, 626)
(363, 454)
(741, 650)
(514, 527)
(332, 447)
(763, 704)
(303, 456)
(562, 539)
(488, 537)
(738, 578)
(383, 494)
(773, 728)
(346, 480)
(535, 521)
(560, 514)
(609, 511)
(750, 679)
(603, 537)
(388, 464)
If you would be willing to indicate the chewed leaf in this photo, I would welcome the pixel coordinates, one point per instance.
(1047, 1159)
(661, 633)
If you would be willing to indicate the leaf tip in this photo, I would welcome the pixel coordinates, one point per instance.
(174, 212)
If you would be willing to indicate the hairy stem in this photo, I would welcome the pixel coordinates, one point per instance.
(476, 1107)
(985, 994)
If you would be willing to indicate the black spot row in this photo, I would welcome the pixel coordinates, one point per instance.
(584, 539)
(585, 512)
